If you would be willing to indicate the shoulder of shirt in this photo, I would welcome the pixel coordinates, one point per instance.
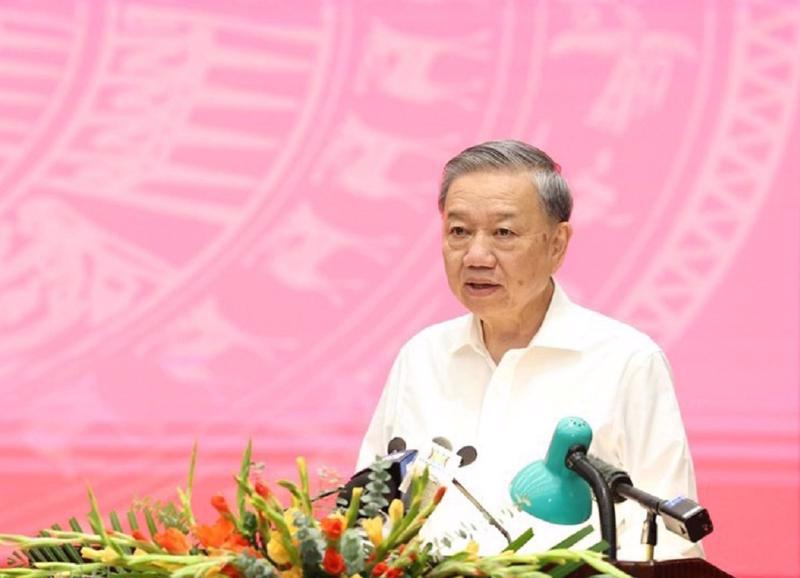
(596, 330)
(442, 335)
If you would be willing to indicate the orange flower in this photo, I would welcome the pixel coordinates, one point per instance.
(221, 535)
(394, 573)
(138, 535)
(380, 569)
(439, 494)
(173, 541)
(220, 505)
(333, 562)
(262, 490)
(332, 527)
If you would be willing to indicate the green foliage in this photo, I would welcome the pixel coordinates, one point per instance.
(244, 474)
(165, 512)
(311, 545)
(377, 490)
(250, 526)
(352, 548)
(253, 567)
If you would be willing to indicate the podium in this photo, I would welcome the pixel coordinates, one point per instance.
(681, 568)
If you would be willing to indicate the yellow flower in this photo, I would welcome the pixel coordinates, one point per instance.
(472, 548)
(276, 550)
(292, 572)
(139, 552)
(396, 511)
(356, 576)
(374, 529)
(107, 555)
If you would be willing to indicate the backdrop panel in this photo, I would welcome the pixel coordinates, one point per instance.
(218, 222)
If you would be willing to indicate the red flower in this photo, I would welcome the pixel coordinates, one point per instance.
(333, 562)
(262, 490)
(220, 505)
(173, 541)
(137, 535)
(379, 569)
(394, 573)
(231, 571)
(332, 527)
(439, 494)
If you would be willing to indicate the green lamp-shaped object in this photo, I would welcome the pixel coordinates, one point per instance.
(548, 489)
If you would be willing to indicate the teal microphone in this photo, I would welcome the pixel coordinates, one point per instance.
(548, 489)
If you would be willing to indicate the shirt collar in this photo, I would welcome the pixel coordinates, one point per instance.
(562, 328)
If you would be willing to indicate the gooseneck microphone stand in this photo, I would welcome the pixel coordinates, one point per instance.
(578, 461)
(682, 516)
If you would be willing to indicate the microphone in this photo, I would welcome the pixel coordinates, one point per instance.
(682, 516)
(543, 489)
(399, 458)
(442, 462)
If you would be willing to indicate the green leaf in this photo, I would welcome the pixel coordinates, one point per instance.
(114, 519)
(570, 567)
(71, 552)
(132, 521)
(76, 527)
(96, 521)
(521, 540)
(573, 538)
(305, 500)
(244, 474)
(151, 524)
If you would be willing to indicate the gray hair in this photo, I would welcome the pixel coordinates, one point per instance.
(513, 156)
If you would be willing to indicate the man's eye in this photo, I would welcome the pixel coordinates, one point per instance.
(504, 233)
(458, 231)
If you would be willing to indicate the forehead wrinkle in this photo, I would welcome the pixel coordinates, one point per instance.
(497, 215)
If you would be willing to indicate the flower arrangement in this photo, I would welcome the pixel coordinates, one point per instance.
(260, 538)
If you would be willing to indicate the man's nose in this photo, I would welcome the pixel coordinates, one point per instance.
(479, 252)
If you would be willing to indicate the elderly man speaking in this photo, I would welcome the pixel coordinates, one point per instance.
(501, 377)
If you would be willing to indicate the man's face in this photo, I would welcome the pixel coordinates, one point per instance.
(499, 247)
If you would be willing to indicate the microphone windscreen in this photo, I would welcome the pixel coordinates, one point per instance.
(444, 442)
(397, 444)
(468, 455)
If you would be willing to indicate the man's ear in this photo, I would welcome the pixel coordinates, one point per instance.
(562, 233)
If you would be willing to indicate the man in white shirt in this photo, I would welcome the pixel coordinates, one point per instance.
(502, 377)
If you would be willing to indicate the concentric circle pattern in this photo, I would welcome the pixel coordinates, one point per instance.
(218, 222)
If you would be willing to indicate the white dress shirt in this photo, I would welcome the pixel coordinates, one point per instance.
(580, 363)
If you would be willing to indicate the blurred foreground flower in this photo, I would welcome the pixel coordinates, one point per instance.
(259, 538)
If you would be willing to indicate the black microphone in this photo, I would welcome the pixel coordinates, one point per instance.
(682, 516)
(399, 458)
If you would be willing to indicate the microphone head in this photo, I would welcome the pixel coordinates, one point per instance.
(397, 444)
(444, 442)
(468, 455)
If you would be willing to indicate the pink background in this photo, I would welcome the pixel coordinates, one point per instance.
(218, 221)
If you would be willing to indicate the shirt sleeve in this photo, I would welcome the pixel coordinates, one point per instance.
(380, 429)
(656, 454)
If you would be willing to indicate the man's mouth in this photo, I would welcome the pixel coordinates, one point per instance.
(479, 289)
